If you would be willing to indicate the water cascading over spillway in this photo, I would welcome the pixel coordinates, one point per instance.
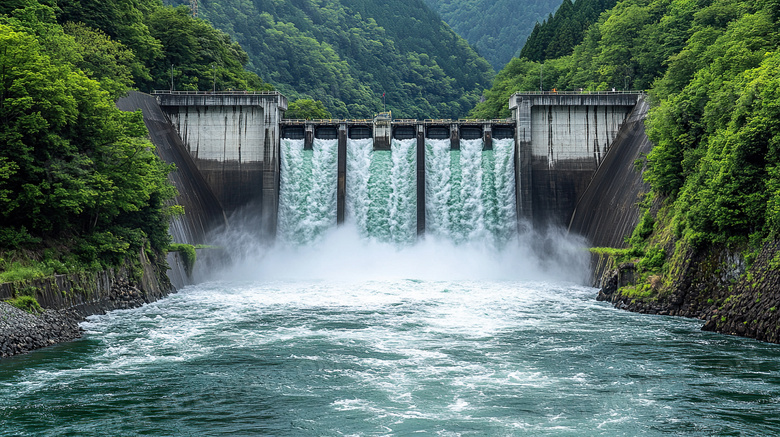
(470, 193)
(307, 191)
(381, 190)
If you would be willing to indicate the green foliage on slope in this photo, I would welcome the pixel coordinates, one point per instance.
(307, 109)
(347, 53)
(717, 127)
(164, 40)
(627, 48)
(496, 28)
(559, 33)
(72, 164)
(80, 184)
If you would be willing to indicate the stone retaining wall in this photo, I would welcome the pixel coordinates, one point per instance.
(69, 299)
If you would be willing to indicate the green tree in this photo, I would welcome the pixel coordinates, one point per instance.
(103, 59)
(307, 109)
(73, 166)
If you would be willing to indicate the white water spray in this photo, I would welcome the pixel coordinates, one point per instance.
(307, 191)
(381, 190)
(470, 193)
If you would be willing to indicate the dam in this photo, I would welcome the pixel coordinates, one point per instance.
(447, 177)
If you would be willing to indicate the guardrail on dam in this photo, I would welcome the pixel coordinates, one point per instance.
(560, 141)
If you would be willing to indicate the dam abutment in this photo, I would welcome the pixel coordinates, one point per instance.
(561, 140)
(233, 139)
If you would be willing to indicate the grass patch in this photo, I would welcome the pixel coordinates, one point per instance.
(26, 303)
(18, 272)
(643, 291)
(187, 253)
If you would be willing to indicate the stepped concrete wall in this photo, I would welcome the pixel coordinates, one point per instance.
(561, 140)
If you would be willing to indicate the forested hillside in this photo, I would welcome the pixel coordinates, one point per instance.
(712, 70)
(628, 48)
(348, 53)
(558, 34)
(496, 28)
(80, 185)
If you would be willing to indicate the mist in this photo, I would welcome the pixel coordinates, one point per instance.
(343, 254)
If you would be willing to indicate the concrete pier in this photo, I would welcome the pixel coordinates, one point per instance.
(233, 139)
(561, 140)
(420, 179)
(341, 192)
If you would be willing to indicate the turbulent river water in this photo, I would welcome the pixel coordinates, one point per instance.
(391, 357)
(363, 331)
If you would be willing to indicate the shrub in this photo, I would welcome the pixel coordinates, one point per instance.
(26, 303)
(187, 253)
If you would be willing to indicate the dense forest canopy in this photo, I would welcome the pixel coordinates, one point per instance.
(347, 53)
(559, 33)
(78, 177)
(496, 28)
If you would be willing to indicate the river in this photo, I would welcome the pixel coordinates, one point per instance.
(366, 330)
(475, 345)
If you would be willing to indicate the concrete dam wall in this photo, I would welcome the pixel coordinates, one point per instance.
(607, 211)
(233, 139)
(230, 143)
(562, 139)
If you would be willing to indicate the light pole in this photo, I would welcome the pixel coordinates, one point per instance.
(214, 75)
(625, 83)
(541, 70)
(172, 78)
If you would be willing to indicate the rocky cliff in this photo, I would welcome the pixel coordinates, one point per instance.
(714, 285)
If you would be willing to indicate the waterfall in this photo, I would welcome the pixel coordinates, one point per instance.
(381, 190)
(307, 190)
(470, 193)
(502, 221)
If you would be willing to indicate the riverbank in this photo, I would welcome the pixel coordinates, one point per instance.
(712, 285)
(67, 300)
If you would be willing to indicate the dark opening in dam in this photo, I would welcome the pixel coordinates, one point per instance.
(360, 132)
(326, 132)
(437, 132)
(404, 132)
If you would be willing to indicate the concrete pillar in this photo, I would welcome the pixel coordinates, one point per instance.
(420, 179)
(454, 137)
(521, 111)
(341, 193)
(487, 137)
(270, 181)
(308, 141)
(383, 132)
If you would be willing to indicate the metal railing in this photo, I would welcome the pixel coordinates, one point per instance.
(578, 92)
(399, 121)
(218, 93)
